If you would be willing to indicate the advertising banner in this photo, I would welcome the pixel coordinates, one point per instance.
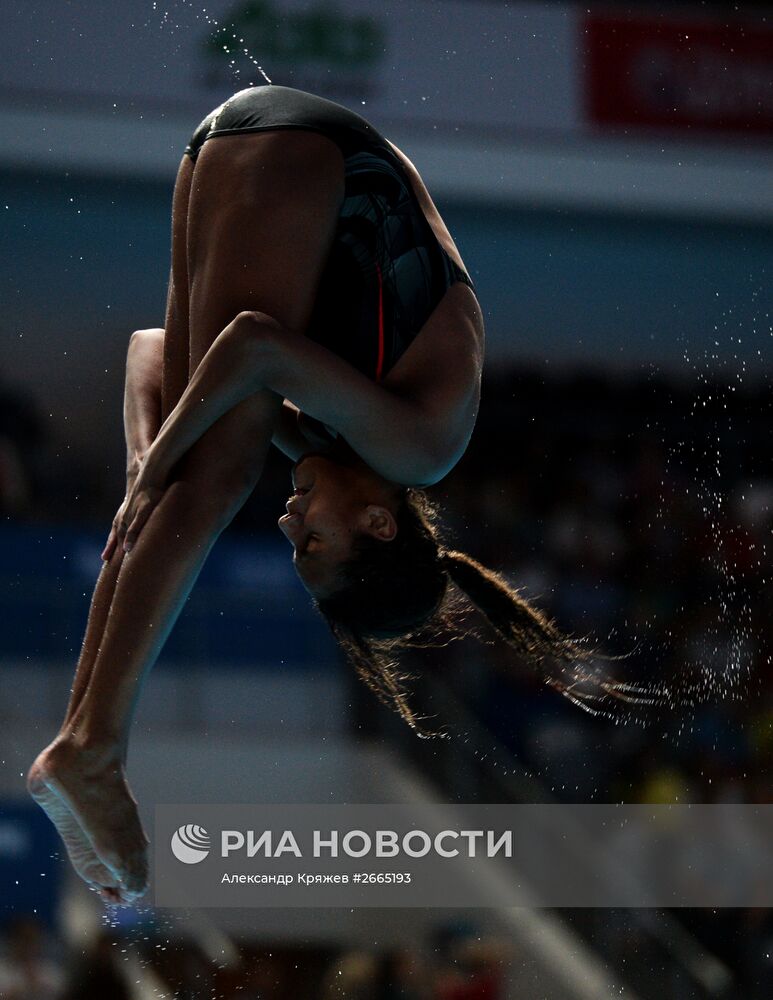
(679, 72)
(415, 63)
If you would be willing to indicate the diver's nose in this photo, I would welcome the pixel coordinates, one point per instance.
(297, 504)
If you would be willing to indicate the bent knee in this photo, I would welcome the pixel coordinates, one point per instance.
(227, 461)
(151, 333)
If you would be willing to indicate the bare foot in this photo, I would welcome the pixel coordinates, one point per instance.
(85, 795)
(82, 855)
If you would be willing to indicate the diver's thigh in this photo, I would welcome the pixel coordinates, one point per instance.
(261, 222)
(176, 337)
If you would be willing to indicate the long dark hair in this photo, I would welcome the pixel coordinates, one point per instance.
(397, 594)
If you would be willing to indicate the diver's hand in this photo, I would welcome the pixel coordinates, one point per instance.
(142, 406)
(132, 471)
(144, 490)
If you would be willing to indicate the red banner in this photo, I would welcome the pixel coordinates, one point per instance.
(673, 72)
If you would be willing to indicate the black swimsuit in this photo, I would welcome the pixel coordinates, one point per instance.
(386, 271)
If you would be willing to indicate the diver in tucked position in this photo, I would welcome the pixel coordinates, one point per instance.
(316, 299)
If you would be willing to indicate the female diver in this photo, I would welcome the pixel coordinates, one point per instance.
(316, 300)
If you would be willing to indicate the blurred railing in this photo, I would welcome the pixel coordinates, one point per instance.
(651, 949)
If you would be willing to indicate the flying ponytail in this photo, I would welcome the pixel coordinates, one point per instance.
(396, 595)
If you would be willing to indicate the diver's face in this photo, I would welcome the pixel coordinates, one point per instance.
(332, 503)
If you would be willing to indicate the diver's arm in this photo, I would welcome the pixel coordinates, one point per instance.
(411, 428)
(223, 378)
(410, 434)
(287, 435)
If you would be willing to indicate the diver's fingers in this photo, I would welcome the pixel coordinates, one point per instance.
(109, 548)
(146, 505)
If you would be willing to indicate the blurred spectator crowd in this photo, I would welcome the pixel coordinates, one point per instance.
(457, 963)
(635, 510)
